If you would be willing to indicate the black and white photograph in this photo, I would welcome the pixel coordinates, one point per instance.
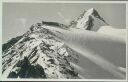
(64, 41)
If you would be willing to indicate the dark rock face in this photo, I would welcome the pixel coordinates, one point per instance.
(10, 43)
(26, 70)
(54, 24)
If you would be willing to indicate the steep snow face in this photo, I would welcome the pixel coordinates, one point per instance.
(38, 55)
(89, 20)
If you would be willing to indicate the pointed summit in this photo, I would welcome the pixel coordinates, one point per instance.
(88, 19)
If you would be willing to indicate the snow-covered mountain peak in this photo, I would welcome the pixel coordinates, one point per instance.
(88, 20)
(38, 54)
(89, 12)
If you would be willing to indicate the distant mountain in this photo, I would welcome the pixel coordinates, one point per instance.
(89, 20)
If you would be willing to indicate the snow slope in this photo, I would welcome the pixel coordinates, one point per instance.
(109, 30)
(106, 51)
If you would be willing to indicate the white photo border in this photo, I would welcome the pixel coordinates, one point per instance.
(25, 1)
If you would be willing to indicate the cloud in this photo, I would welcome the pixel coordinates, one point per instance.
(61, 16)
(22, 21)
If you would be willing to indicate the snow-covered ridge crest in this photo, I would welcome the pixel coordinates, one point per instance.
(37, 54)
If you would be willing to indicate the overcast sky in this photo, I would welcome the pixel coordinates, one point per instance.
(18, 17)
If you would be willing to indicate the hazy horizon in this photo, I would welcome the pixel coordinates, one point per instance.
(18, 17)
